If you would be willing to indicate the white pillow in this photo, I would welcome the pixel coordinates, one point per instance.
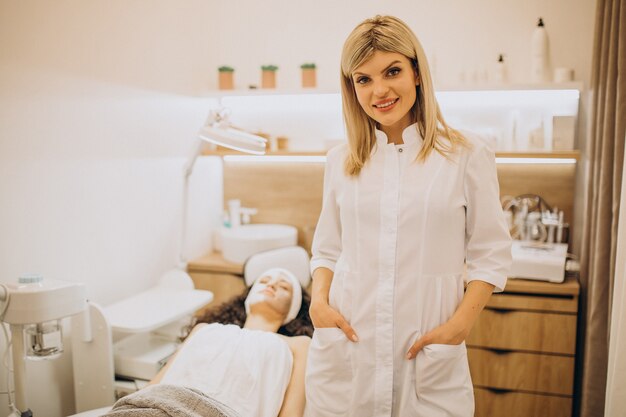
(293, 258)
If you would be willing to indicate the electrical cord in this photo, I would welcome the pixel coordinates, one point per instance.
(5, 295)
(572, 264)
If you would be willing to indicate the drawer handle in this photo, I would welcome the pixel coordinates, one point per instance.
(498, 390)
(500, 351)
(501, 310)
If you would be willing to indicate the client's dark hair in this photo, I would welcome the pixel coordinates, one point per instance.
(233, 311)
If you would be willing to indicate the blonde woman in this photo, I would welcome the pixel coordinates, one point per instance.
(409, 202)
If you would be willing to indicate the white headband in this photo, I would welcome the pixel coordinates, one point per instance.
(296, 297)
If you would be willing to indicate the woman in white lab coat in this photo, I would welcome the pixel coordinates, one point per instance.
(411, 207)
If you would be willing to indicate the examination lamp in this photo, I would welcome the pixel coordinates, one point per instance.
(34, 307)
(217, 130)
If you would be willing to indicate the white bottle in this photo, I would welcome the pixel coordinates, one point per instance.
(540, 55)
(234, 210)
(500, 73)
(536, 139)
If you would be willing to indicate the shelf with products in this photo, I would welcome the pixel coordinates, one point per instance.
(509, 116)
(318, 156)
(267, 92)
(481, 87)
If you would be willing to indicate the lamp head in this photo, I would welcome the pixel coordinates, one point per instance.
(219, 131)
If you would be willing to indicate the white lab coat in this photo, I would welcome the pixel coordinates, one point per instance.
(397, 238)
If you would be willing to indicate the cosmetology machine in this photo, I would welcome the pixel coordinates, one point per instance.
(34, 307)
(540, 238)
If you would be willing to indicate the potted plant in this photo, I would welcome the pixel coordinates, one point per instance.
(226, 78)
(308, 75)
(268, 79)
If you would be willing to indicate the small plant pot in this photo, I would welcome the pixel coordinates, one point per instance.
(268, 79)
(282, 143)
(227, 81)
(309, 78)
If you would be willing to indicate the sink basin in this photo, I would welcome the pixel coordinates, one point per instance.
(239, 243)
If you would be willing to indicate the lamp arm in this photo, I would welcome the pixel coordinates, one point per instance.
(193, 157)
(217, 130)
(187, 170)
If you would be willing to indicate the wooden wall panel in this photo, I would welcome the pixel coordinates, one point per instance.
(555, 183)
(283, 192)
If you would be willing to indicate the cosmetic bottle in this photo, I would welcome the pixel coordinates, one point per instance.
(536, 139)
(540, 55)
(500, 73)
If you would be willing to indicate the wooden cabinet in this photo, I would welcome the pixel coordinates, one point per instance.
(213, 273)
(522, 350)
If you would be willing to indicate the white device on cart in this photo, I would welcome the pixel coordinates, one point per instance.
(34, 307)
(539, 261)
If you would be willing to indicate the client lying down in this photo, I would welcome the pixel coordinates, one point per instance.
(249, 361)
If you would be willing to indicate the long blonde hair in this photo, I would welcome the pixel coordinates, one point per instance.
(390, 34)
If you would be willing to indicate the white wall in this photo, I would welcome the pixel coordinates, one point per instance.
(177, 46)
(91, 185)
(100, 100)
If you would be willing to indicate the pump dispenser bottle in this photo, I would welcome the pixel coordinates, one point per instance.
(500, 75)
(540, 55)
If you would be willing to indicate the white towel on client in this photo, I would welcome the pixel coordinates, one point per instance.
(248, 370)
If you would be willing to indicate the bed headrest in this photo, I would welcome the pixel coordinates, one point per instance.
(293, 258)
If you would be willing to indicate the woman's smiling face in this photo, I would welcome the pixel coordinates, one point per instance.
(385, 88)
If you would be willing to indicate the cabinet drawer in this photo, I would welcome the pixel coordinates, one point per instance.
(518, 404)
(525, 330)
(223, 286)
(550, 374)
(565, 303)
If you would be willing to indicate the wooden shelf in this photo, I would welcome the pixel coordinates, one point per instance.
(569, 286)
(225, 152)
(214, 262)
(572, 85)
(267, 92)
(574, 154)
(554, 154)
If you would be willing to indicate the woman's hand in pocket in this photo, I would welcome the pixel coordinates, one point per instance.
(324, 316)
(452, 332)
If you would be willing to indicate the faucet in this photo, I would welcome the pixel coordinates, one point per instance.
(239, 215)
(246, 213)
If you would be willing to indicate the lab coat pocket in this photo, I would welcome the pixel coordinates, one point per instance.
(442, 381)
(328, 380)
(340, 293)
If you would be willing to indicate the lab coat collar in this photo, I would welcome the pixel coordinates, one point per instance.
(410, 136)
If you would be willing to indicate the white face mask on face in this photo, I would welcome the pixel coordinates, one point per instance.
(257, 295)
